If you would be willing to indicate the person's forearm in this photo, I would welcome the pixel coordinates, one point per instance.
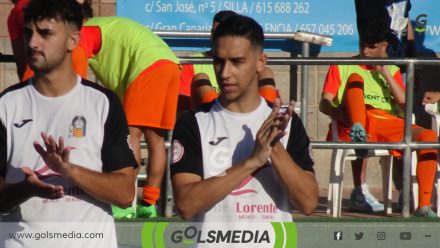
(325, 107)
(12, 195)
(300, 185)
(117, 188)
(196, 197)
(396, 90)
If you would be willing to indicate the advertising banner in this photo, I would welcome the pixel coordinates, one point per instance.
(326, 17)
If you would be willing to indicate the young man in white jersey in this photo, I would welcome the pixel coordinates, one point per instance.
(63, 142)
(239, 150)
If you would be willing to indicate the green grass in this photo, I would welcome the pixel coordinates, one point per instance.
(363, 219)
(305, 219)
(158, 219)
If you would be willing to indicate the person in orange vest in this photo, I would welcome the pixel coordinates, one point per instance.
(363, 99)
(141, 69)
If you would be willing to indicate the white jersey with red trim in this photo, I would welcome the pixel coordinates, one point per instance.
(208, 142)
(92, 122)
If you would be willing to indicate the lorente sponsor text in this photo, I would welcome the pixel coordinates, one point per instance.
(256, 208)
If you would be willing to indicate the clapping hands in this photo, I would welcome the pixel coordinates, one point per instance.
(271, 131)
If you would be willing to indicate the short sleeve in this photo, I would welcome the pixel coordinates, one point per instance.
(186, 77)
(91, 40)
(398, 77)
(15, 24)
(16, 20)
(298, 145)
(332, 81)
(187, 152)
(3, 150)
(80, 61)
(116, 153)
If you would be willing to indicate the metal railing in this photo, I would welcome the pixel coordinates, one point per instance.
(306, 38)
(301, 36)
(6, 58)
(406, 145)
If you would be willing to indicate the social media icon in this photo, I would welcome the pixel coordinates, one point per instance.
(359, 236)
(405, 235)
(381, 236)
(338, 235)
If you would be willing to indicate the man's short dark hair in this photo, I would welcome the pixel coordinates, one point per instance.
(241, 26)
(223, 15)
(375, 31)
(68, 11)
(87, 9)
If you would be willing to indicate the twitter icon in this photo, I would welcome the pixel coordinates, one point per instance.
(359, 236)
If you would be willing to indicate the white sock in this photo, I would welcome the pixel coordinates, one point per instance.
(364, 187)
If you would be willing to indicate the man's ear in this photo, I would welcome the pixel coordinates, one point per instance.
(384, 52)
(261, 62)
(73, 41)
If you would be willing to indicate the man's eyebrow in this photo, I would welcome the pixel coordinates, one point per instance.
(237, 58)
(369, 45)
(44, 29)
(229, 58)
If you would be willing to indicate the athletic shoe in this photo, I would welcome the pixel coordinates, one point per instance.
(363, 200)
(123, 213)
(146, 212)
(358, 134)
(425, 212)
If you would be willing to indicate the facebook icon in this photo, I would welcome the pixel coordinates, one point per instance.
(337, 235)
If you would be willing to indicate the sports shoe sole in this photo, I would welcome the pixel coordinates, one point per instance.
(358, 134)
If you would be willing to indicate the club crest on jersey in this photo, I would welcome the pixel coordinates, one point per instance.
(178, 151)
(78, 126)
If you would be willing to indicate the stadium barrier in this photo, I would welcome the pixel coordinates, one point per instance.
(308, 38)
